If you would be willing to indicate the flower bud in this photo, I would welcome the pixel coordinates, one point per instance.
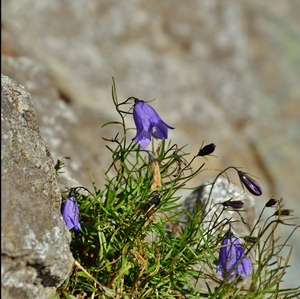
(284, 212)
(235, 204)
(271, 202)
(207, 150)
(252, 186)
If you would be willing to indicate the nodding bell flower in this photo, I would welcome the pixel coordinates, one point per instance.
(252, 186)
(148, 123)
(207, 150)
(70, 214)
(232, 259)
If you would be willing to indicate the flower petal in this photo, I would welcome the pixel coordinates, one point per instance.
(244, 267)
(160, 130)
(140, 118)
(143, 138)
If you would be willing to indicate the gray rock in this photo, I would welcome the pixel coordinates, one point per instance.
(69, 129)
(209, 198)
(35, 250)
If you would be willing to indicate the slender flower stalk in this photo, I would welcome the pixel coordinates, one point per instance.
(252, 186)
(148, 123)
(70, 214)
(232, 259)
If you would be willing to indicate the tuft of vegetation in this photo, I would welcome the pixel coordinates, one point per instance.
(124, 248)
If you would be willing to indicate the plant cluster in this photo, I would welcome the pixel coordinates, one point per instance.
(120, 239)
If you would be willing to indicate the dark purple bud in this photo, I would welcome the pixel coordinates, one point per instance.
(207, 150)
(232, 259)
(284, 212)
(252, 186)
(235, 204)
(70, 214)
(271, 202)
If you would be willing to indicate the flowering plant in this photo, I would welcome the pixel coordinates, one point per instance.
(137, 240)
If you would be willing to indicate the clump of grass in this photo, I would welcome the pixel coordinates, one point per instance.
(124, 250)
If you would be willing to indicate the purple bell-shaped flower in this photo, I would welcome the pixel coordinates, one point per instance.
(148, 123)
(70, 214)
(232, 259)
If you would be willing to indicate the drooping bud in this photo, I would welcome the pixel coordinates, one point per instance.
(207, 150)
(252, 186)
(284, 212)
(271, 202)
(235, 204)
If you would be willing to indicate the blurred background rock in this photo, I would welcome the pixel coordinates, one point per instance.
(225, 71)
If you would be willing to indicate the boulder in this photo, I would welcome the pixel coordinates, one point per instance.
(35, 251)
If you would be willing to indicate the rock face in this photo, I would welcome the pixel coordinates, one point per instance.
(209, 198)
(69, 130)
(35, 251)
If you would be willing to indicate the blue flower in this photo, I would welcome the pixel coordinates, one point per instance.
(70, 214)
(252, 186)
(232, 259)
(148, 123)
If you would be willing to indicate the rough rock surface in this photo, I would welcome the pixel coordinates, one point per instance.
(35, 252)
(209, 199)
(69, 129)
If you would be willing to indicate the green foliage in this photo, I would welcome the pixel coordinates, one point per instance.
(125, 249)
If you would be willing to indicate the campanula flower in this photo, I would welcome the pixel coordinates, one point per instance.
(232, 259)
(148, 123)
(207, 150)
(70, 214)
(252, 186)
